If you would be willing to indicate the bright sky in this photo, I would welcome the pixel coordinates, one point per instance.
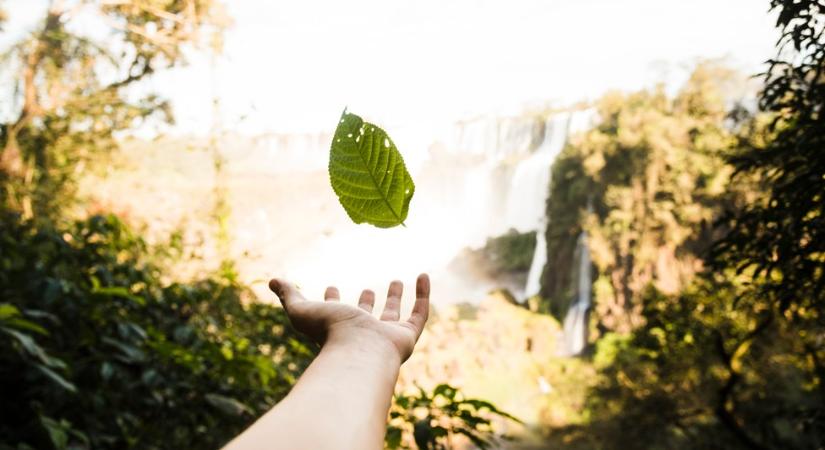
(294, 65)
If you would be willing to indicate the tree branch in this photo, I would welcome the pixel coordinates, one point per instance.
(725, 393)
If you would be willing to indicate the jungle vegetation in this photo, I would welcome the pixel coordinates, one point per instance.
(706, 219)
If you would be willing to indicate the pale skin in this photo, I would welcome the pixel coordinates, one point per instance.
(342, 399)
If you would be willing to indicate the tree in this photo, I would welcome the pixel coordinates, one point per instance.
(778, 239)
(73, 88)
(735, 359)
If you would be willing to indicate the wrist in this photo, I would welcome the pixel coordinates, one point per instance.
(365, 345)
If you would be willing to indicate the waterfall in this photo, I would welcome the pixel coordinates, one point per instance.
(533, 285)
(534, 174)
(557, 131)
(530, 183)
(575, 322)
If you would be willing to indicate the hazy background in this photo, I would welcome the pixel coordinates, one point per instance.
(293, 66)
(422, 70)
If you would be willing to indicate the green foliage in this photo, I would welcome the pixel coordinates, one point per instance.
(431, 420)
(701, 373)
(97, 352)
(735, 359)
(506, 258)
(510, 252)
(646, 184)
(777, 240)
(72, 90)
(368, 174)
(780, 236)
(658, 388)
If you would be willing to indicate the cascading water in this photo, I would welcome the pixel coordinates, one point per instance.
(557, 131)
(575, 322)
(531, 185)
(533, 285)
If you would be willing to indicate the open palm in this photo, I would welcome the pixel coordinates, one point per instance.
(320, 320)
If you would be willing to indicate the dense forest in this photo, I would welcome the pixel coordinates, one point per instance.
(705, 219)
(704, 214)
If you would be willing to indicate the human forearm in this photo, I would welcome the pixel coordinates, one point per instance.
(340, 402)
(342, 399)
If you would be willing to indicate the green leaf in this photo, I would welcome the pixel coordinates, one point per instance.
(368, 174)
(57, 432)
(8, 311)
(56, 378)
(118, 291)
(10, 317)
(445, 390)
(475, 437)
(23, 324)
(129, 353)
(107, 370)
(30, 346)
(392, 440)
(481, 404)
(228, 405)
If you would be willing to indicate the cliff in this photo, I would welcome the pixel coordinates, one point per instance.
(646, 184)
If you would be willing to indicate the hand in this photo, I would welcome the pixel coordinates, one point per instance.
(332, 321)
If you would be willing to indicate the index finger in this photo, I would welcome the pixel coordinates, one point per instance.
(421, 308)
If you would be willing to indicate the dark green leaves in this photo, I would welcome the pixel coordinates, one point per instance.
(368, 174)
(228, 405)
(97, 351)
(432, 418)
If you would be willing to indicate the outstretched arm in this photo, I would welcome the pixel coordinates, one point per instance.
(342, 399)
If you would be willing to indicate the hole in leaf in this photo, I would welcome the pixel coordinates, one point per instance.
(386, 143)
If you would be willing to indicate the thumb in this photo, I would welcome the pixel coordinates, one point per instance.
(287, 292)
